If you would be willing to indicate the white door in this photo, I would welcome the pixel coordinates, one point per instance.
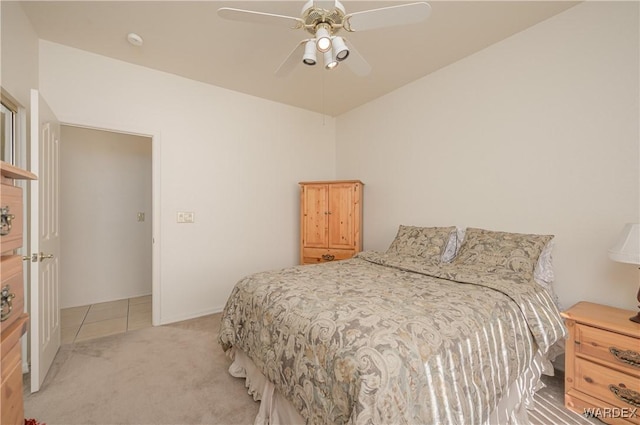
(44, 239)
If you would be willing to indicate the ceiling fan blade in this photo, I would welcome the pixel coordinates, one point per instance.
(387, 16)
(356, 62)
(294, 58)
(260, 17)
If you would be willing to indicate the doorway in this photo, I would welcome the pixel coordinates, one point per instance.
(106, 220)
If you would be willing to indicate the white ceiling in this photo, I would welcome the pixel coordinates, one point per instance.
(188, 38)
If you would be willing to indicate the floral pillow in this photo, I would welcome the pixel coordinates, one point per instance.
(425, 242)
(501, 251)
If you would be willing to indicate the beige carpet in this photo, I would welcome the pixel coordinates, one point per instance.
(161, 375)
(175, 374)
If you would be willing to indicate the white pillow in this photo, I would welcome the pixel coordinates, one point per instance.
(543, 272)
(453, 244)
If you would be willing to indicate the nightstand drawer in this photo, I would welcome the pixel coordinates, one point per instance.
(613, 387)
(10, 355)
(12, 284)
(618, 351)
(12, 410)
(11, 226)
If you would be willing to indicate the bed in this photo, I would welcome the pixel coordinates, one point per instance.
(431, 331)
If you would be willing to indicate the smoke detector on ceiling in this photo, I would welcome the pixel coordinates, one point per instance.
(134, 39)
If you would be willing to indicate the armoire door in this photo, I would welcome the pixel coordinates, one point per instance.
(315, 216)
(341, 215)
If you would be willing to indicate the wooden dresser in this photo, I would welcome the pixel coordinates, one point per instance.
(330, 220)
(602, 363)
(13, 319)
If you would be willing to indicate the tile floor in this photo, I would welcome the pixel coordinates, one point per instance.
(98, 320)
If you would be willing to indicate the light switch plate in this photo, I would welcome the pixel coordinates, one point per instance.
(185, 217)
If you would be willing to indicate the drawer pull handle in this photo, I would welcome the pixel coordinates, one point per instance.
(625, 394)
(626, 356)
(5, 221)
(6, 304)
(328, 257)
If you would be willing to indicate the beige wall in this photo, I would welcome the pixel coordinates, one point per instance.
(19, 54)
(105, 180)
(233, 159)
(18, 68)
(538, 133)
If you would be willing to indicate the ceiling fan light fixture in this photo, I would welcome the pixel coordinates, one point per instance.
(330, 61)
(323, 37)
(340, 48)
(309, 57)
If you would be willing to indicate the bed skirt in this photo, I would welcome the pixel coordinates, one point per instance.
(276, 410)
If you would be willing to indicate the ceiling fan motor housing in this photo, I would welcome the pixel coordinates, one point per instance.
(314, 16)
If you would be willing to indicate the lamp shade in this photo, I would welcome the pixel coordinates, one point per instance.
(627, 248)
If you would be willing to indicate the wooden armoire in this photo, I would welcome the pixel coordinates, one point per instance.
(330, 220)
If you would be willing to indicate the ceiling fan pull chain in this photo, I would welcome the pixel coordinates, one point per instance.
(324, 115)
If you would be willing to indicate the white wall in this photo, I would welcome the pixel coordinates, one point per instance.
(105, 180)
(18, 54)
(233, 159)
(18, 69)
(537, 133)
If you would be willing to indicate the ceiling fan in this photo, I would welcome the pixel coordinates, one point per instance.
(323, 19)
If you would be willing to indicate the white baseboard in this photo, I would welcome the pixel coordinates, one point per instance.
(189, 316)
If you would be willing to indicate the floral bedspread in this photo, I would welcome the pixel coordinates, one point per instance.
(382, 339)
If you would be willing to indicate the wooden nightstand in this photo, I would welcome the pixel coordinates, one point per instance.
(602, 363)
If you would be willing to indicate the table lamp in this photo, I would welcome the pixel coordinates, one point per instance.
(627, 250)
